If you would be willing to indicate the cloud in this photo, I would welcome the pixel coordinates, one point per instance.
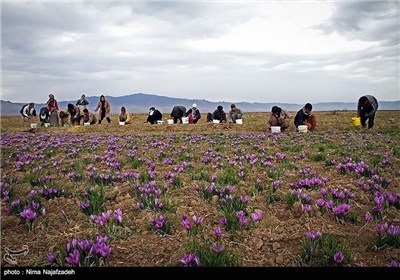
(233, 51)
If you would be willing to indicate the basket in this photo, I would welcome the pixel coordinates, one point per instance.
(185, 120)
(356, 121)
(302, 128)
(275, 129)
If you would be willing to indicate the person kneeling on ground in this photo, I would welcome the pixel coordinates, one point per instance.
(219, 114)
(154, 116)
(124, 116)
(279, 117)
(75, 114)
(193, 114)
(177, 113)
(89, 117)
(44, 116)
(304, 117)
(235, 113)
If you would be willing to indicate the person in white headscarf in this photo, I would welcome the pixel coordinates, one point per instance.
(193, 114)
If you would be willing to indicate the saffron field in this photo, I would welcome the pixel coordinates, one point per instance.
(202, 195)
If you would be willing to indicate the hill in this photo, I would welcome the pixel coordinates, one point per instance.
(140, 103)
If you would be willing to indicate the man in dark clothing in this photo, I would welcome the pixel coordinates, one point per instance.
(177, 113)
(304, 117)
(218, 114)
(154, 116)
(366, 109)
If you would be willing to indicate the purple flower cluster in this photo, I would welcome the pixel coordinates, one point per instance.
(190, 259)
(84, 252)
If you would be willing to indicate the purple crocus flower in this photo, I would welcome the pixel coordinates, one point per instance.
(217, 248)
(244, 199)
(186, 223)
(338, 257)
(190, 259)
(313, 235)
(223, 221)
(51, 257)
(393, 263)
(73, 258)
(118, 215)
(197, 220)
(368, 217)
(217, 232)
(28, 214)
(256, 216)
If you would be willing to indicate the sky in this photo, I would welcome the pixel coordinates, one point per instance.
(271, 51)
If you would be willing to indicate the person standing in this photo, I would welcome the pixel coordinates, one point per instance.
(193, 114)
(304, 117)
(154, 116)
(177, 113)
(235, 113)
(27, 112)
(105, 108)
(279, 117)
(52, 106)
(366, 109)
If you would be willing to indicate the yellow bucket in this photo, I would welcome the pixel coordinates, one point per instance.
(356, 121)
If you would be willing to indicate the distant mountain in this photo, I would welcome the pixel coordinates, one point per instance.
(140, 103)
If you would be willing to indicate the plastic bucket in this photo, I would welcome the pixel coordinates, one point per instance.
(46, 124)
(170, 121)
(356, 121)
(239, 121)
(160, 122)
(86, 124)
(185, 120)
(33, 125)
(275, 129)
(302, 128)
(215, 121)
(121, 123)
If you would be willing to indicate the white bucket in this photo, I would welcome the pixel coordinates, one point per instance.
(121, 123)
(185, 120)
(302, 128)
(46, 124)
(33, 125)
(86, 124)
(215, 121)
(160, 122)
(170, 121)
(275, 129)
(239, 121)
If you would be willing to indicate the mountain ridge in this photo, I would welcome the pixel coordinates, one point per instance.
(141, 102)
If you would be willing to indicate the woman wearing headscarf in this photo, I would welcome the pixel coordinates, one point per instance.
(124, 116)
(52, 106)
(105, 108)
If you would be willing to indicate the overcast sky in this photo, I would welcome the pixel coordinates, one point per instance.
(292, 52)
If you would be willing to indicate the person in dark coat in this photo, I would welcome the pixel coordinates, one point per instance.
(177, 113)
(219, 114)
(154, 116)
(74, 113)
(44, 115)
(366, 109)
(304, 117)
